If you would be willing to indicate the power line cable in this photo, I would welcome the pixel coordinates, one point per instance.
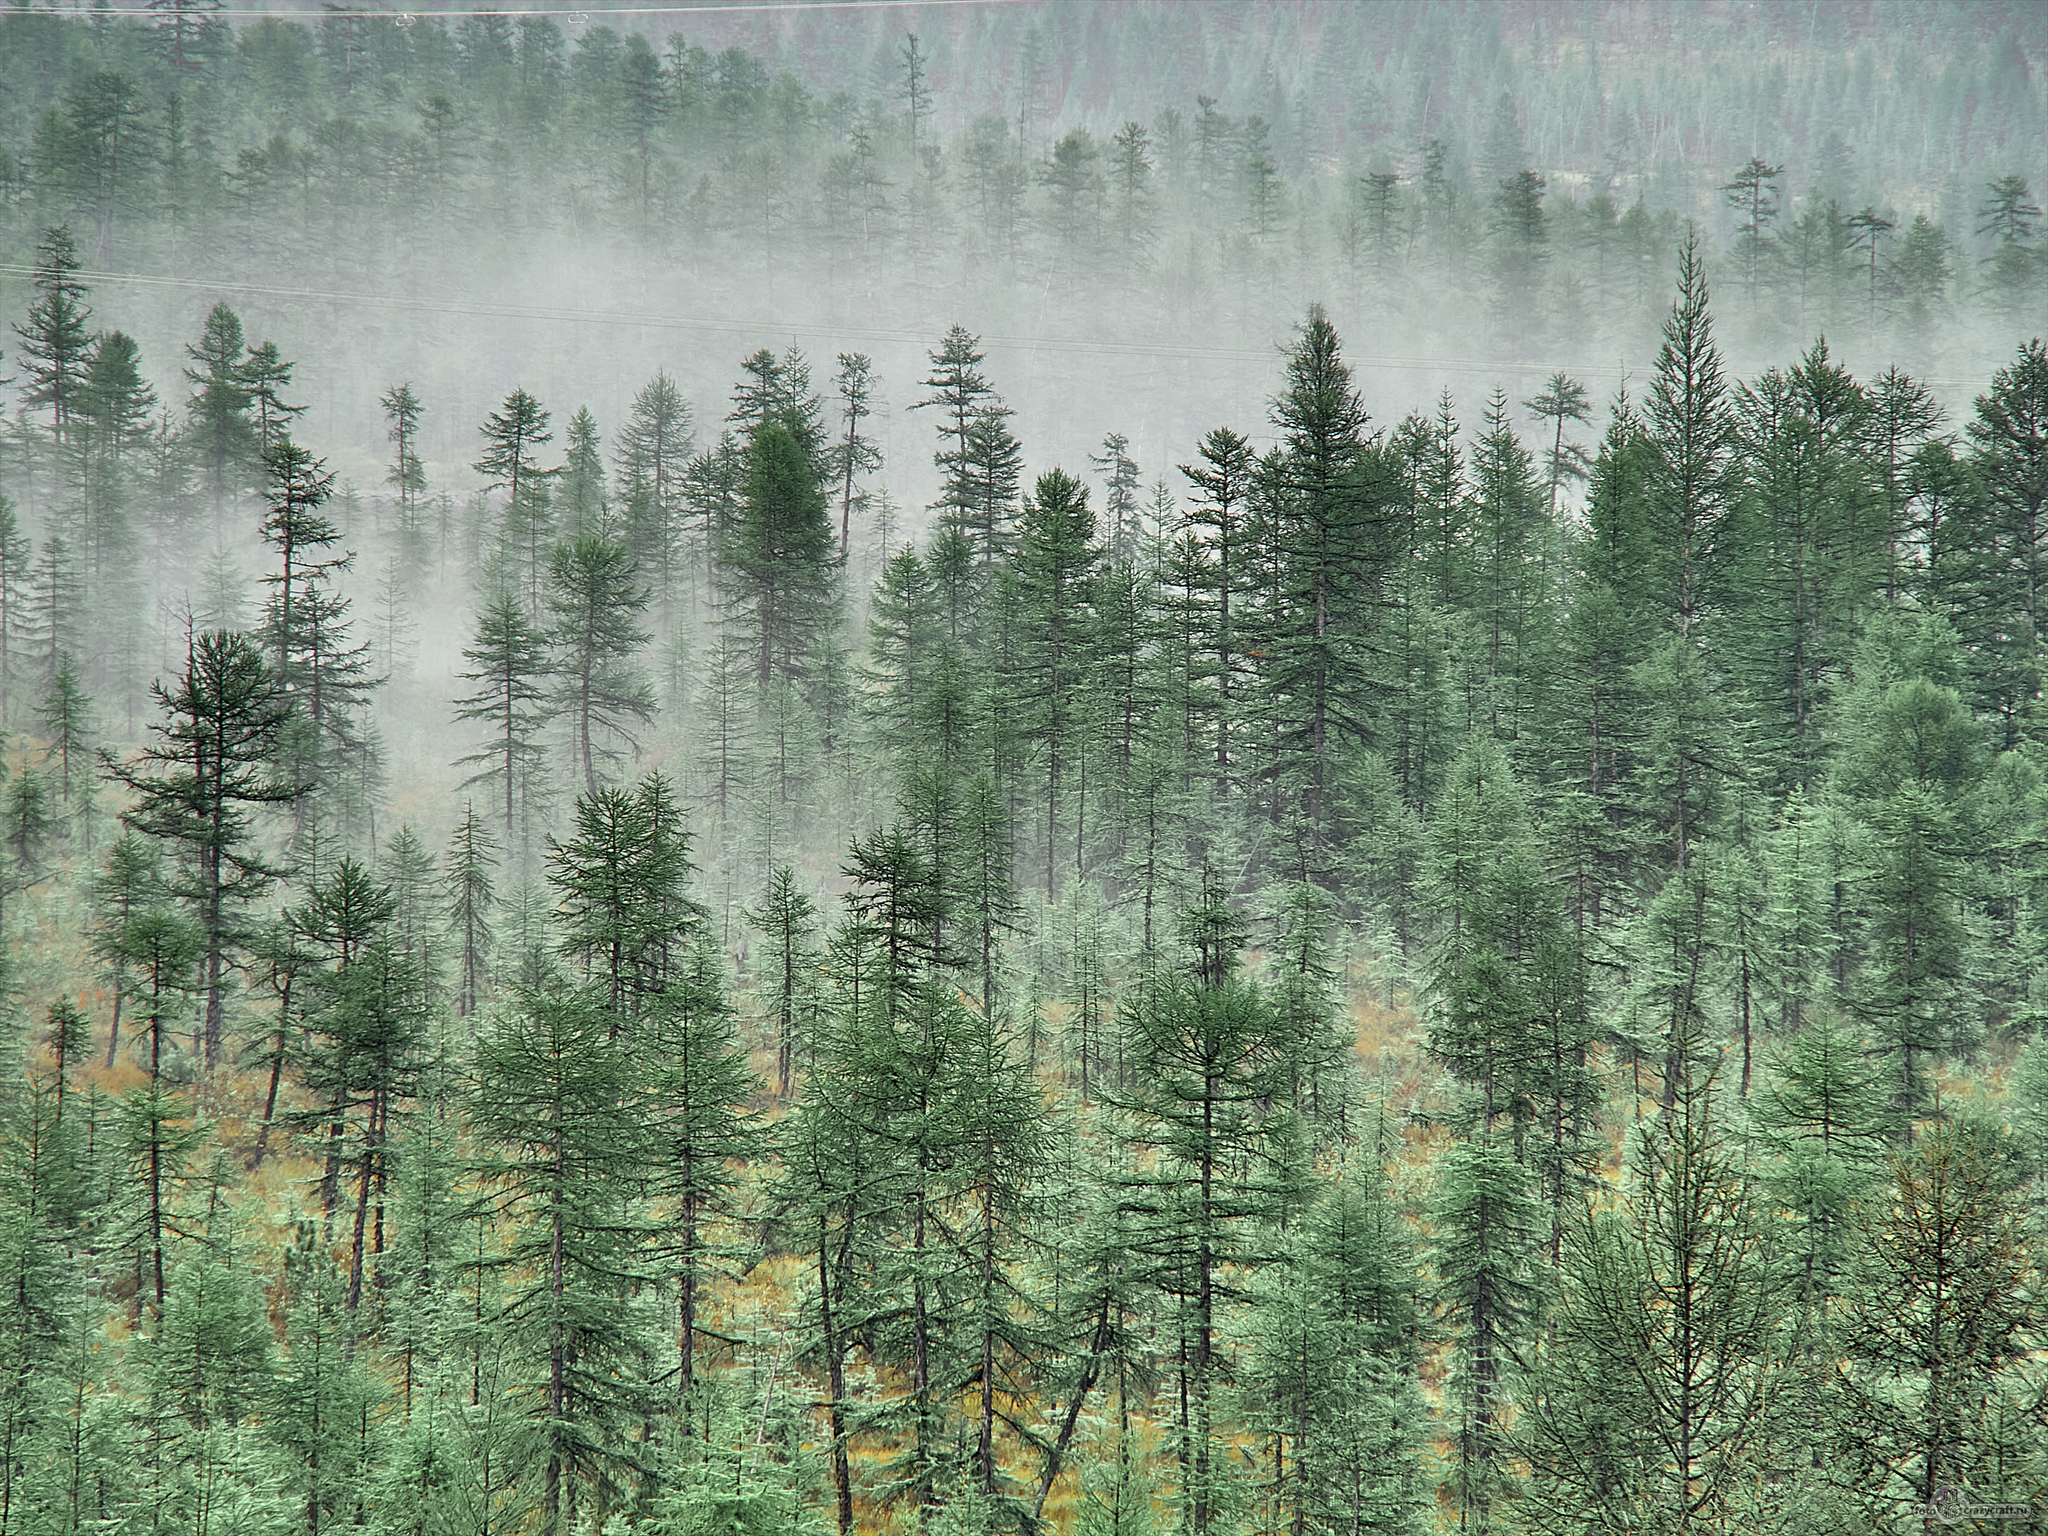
(575, 16)
(577, 315)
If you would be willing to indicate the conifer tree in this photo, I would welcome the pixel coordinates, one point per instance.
(409, 869)
(836, 1186)
(910, 1045)
(1913, 767)
(510, 657)
(1224, 480)
(1119, 496)
(778, 389)
(205, 1382)
(565, 1138)
(700, 1131)
(1657, 1383)
(1689, 483)
(2008, 213)
(1329, 548)
(66, 713)
(472, 855)
(905, 648)
(1823, 1117)
(513, 436)
(266, 374)
(987, 894)
(1099, 1331)
(336, 741)
(57, 607)
(622, 881)
(198, 787)
(581, 477)
(652, 461)
(111, 422)
(162, 951)
(1944, 1308)
(1753, 194)
(407, 476)
(726, 731)
(116, 400)
(1332, 1354)
(297, 487)
(854, 454)
(595, 601)
(1500, 936)
(126, 884)
(1055, 569)
(1005, 1144)
(16, 551)
(788, 924)
(1521, 231)
(962, 395)
(1199, 1039)
(218, 410)
(1563, 400)
(1807, 569)
(2008, 435)
(1512, 546)
(1487, 1230)
(55, 342)
(779, 558)
(322, 1400)
(984, 495)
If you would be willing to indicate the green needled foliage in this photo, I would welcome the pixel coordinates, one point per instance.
(595, 602)
(779, 557)
(201, 801)
(561, 1140)
(1485, 971)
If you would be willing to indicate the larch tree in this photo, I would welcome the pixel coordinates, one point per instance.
(1328, 549)
(1946, 1308)
(595, 603)
(961, 393)
(1563, 400)
(2008, 436)
(564, 1136)
(779, 559)
(651, 460)
(407, 475)
(1688, 424)
(1200, 1038)
(1657, 1383)
(471, 895)
(854, 454)
(198, 788)
(266, 375)
(56, 344)
(509, 659)
(1055, 569)
(584, 506)
(218, 411)
(1753, 194)
(513, 435)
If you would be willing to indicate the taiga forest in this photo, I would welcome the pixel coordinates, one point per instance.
(1228, 768)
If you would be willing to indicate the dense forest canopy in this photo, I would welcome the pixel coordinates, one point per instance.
(1233, 768)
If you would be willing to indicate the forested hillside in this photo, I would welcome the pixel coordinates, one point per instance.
(1128, 201)
(817, 937)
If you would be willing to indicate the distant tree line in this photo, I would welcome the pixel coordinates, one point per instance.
(1403, 164)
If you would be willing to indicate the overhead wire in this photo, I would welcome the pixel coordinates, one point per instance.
(828, 331)
(575, 15)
